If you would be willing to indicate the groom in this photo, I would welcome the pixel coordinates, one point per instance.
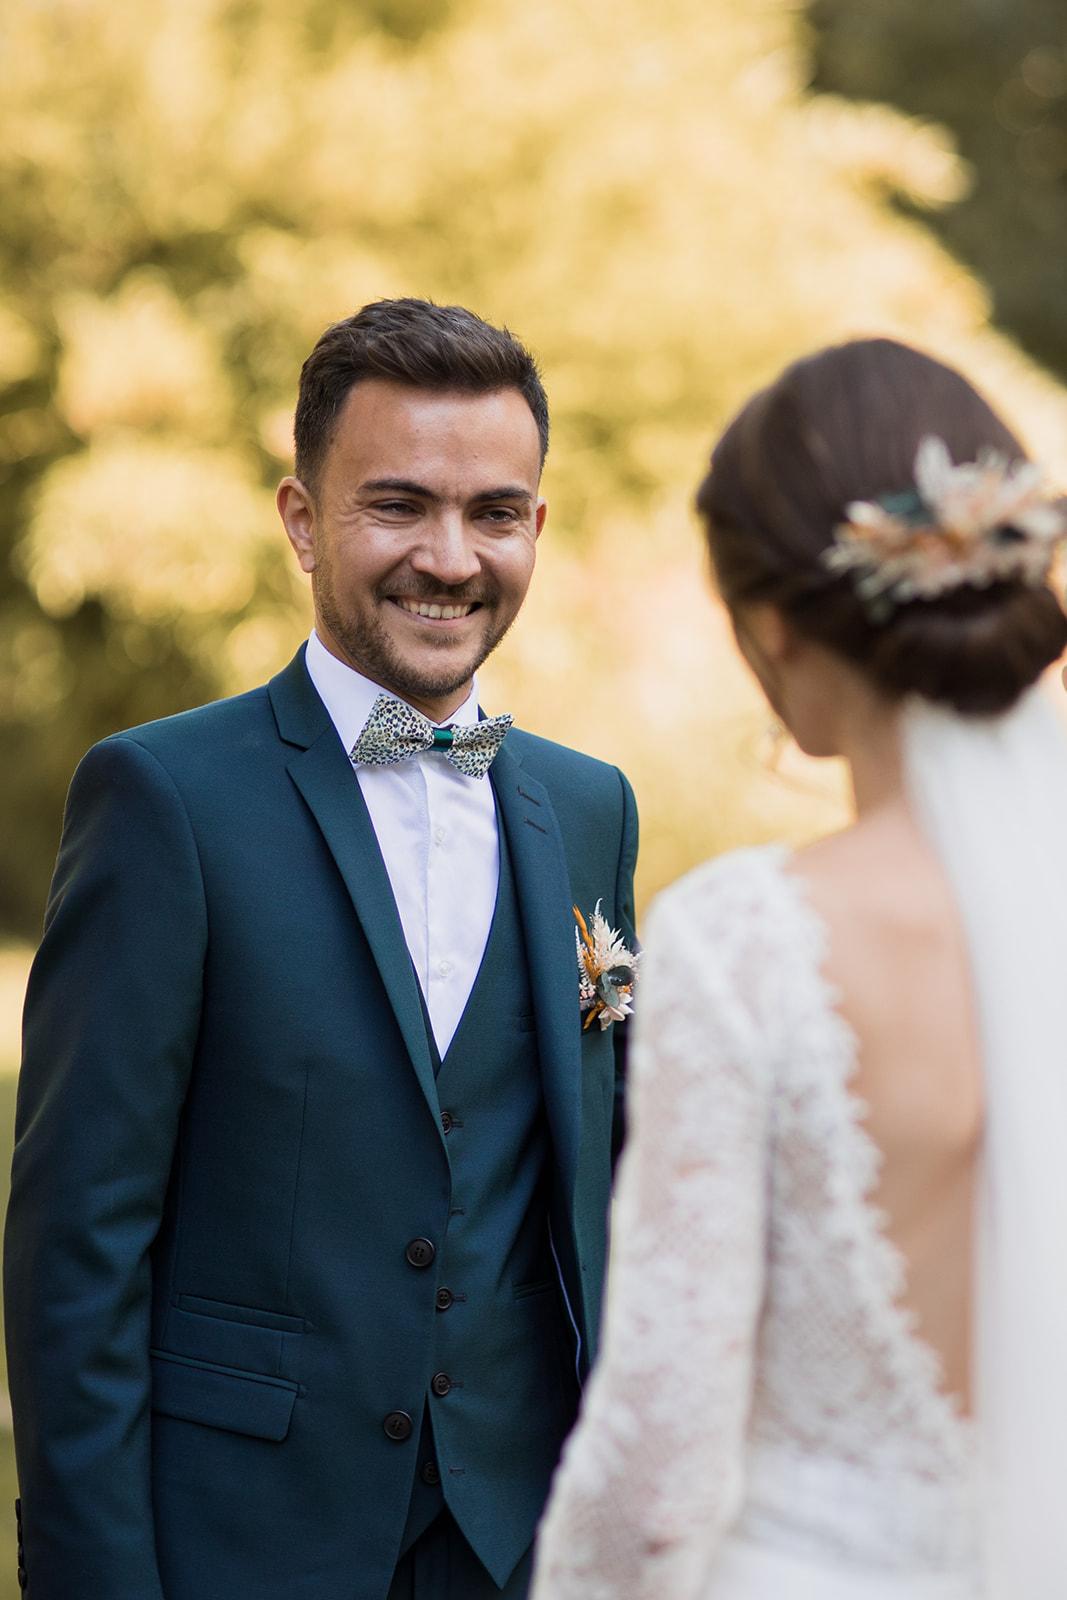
(307, 1224)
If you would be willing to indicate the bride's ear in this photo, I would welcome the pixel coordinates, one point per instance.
(764, 627)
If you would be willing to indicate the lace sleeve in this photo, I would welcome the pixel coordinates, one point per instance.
(651, 1477)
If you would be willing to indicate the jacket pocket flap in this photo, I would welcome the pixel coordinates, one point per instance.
(220, 1397)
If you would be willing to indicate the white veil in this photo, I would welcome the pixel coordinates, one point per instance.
(991, 795)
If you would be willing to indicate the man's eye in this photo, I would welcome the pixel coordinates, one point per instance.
(397, 507)
(500, 513)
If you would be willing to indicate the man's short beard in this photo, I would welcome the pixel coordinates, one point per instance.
(370, 647)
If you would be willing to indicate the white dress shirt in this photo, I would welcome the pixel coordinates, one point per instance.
(437, 831)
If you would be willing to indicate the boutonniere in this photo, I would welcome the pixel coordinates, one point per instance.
(607, 971)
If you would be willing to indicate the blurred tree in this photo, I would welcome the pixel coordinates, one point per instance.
(191, 190)
(995, 73)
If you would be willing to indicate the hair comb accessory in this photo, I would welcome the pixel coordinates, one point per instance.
(965, 526)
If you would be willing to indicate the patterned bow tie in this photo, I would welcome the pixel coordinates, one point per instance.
(394, 731)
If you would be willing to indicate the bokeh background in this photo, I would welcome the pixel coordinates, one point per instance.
(666, 201)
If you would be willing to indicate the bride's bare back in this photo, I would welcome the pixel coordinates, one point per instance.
(898, 961)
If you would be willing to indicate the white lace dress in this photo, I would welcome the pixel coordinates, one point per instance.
(763, 1423)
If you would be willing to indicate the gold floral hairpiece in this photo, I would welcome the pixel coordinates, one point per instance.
(965, 526)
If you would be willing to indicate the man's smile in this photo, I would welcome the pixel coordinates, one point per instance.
(435, 611)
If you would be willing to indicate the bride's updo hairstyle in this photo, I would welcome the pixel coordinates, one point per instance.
(845, 425)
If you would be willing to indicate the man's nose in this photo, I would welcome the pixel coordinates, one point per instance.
(447, 552)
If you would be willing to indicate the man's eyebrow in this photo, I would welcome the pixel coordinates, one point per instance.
(397, 486)
(508, 491)
(505, 491)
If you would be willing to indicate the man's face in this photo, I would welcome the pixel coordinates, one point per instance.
(420, 536)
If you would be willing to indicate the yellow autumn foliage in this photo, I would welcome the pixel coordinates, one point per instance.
(647, 195)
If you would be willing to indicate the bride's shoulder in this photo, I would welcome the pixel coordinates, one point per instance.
(727, 890)
(877, 874)
(730, 943)
(737, 921)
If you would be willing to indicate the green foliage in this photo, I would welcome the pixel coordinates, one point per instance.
(192, 190)
(995, 72)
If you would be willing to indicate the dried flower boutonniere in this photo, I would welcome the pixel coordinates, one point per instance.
(607, 971)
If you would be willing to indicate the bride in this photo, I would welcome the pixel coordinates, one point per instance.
(835, 1351)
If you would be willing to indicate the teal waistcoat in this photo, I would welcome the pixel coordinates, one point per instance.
(501, 1395)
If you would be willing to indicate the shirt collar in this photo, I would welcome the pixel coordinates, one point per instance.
(349, 697)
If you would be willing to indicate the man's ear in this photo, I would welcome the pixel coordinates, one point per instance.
(539, 517)
(297, 511)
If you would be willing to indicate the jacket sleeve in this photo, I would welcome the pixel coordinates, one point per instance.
(624, 905)
(111, 1023)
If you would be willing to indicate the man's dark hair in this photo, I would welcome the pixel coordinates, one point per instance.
(414, 342)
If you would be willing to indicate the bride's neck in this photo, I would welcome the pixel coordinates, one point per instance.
(870, 743)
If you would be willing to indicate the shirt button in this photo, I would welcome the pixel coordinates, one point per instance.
(440, 834)
(444, 1299)
(444, 969)
(440, 1383)
(420, 1252)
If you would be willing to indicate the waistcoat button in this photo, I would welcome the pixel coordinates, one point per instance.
(420, 1252)
(446, 1121)
(445, 1298)
(440, 1383)
(398, 1426)
(429, 1473)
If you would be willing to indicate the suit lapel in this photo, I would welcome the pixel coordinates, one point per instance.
(544, 894)
(323, 773)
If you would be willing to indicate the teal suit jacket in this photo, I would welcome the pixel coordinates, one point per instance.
(227, 1131)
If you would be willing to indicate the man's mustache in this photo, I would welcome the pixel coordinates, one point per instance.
(459, 594)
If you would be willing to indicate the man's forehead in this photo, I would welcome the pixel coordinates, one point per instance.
(389, 429)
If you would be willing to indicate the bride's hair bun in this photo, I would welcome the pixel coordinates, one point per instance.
(845, 425)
